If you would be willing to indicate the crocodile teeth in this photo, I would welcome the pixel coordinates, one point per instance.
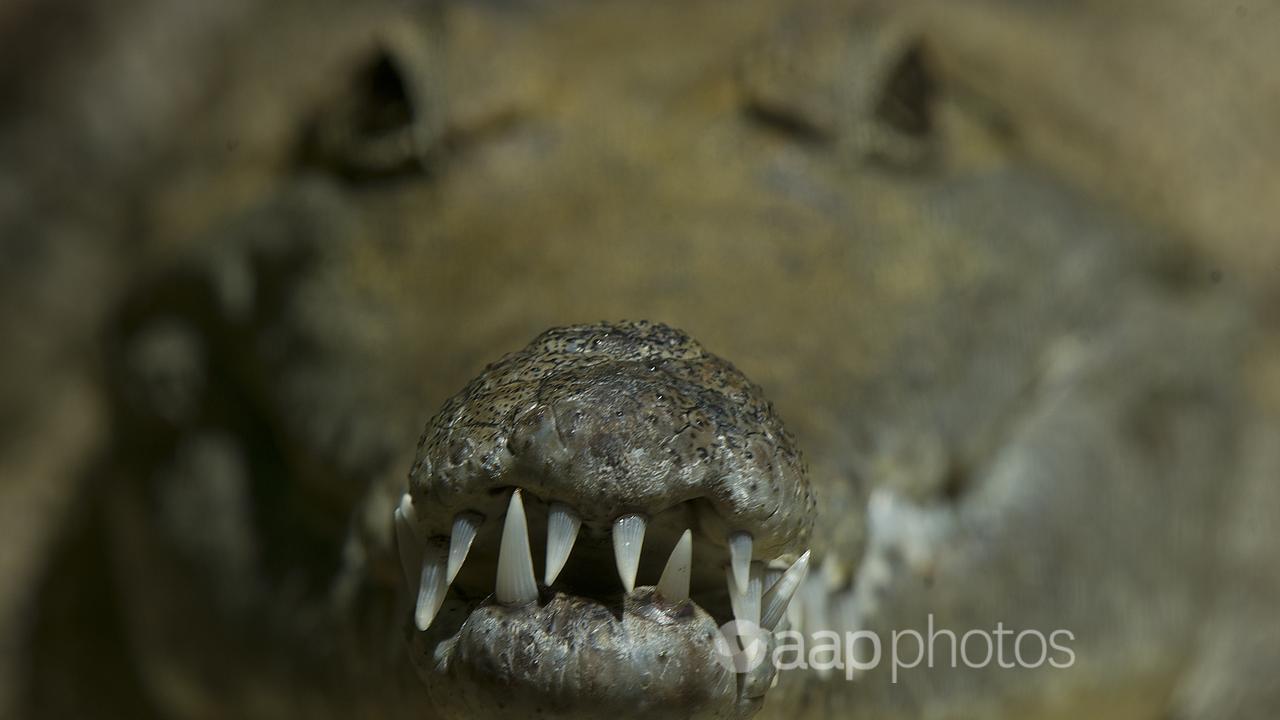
(779, 596)
(755, 591)
(465, 525)
(740, 558)
(410, 513)
(433, 587)
(746, 601)
(410, 553)
(562, 531)
(515, 583)
(771, 575)
(628, 536)
(674, 584)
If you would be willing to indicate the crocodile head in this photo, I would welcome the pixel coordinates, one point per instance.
(660, 497)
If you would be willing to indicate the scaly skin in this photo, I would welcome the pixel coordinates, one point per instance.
(1016, 406)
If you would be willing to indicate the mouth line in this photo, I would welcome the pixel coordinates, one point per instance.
(468, 566)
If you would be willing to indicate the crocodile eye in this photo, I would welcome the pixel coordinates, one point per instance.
(906, 96)
(381, 121)
(847, 85)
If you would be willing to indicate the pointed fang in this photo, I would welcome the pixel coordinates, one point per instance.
(628, 537)
(674, 585)
(779, 596)
(562, 532)
(515, 582)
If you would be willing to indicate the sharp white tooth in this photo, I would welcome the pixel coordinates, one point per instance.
(740, 558)
(779, 596)
(674, 584)
(562, 530)
(410, 550)
(628, 537)
(516, 583)
(771, 575)
(432, 588)
(465, 525)
(746, 601)
(409, 512)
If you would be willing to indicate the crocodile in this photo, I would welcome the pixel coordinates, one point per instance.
(920, 382)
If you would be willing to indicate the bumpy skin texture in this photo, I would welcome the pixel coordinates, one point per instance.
(619, 418)
(575, 658)
(1018, 405)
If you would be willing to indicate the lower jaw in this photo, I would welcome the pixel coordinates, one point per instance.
(575, 657)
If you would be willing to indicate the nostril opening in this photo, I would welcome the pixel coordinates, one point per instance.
(906, 104)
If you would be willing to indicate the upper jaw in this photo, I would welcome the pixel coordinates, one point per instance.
(644, 421)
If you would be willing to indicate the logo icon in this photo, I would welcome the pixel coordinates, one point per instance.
(741, 646)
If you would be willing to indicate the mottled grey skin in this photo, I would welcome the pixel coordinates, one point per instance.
(571, 657)
(612, 419)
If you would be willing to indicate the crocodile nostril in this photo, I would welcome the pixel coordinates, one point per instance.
(460, 452)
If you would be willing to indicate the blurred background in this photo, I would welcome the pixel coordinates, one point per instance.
(248, 239)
